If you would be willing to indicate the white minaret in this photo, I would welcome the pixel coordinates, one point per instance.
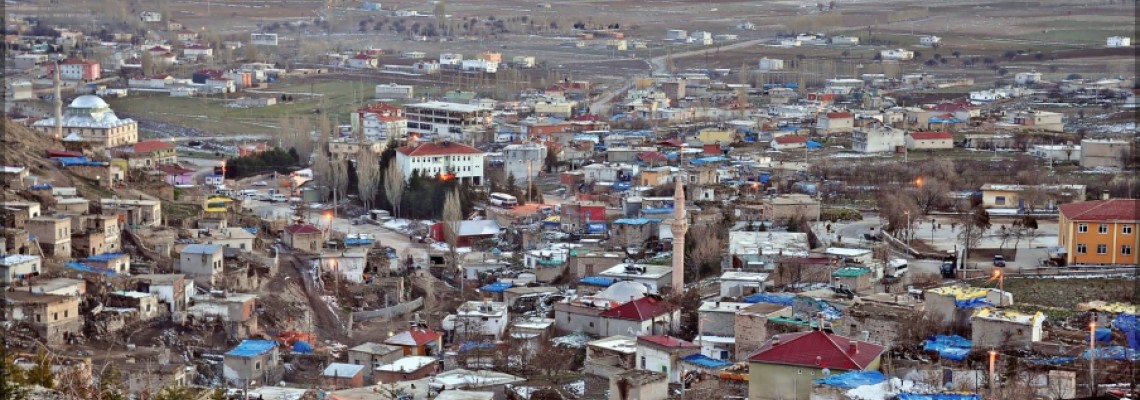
(58, 103)
(680, 227)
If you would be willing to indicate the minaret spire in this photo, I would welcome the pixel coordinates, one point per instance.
(680, 227)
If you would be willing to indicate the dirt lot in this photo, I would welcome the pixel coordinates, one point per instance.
(1067, 293)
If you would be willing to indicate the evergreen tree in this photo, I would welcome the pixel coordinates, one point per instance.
(40, 374)
(13, 382)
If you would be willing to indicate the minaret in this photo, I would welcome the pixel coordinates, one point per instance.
(58, 104)
(680, 227)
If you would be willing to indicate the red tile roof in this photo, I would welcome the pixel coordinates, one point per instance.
(817, 349)
(414, 337)
(713, 149)
(174, 170)
(666, 341)
(951, 107)
(301, 229)
(379, 108)
(791, 139)
(438, 149)
(158, 48)
(151, 145)
(651, 156)
(643, 309)
(931, 135)
(840, 115)
(1103, 210)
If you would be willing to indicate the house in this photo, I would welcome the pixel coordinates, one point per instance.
(186, 35)
(523, 61)
(1026, 78)
(607, 356)
(363, 61)
(60, 287)
(151, 82)
(18, 267)
(52, 233)
(750, 326)
(407, 369)
(230, 238)
(638, 385)
(201, 262)
(646, 315)
(150, 16)
(147, 154)
(134, 213)
(304, 237)
(786, 366)
(469, 231)
(994, 328)
(53, 318)
(448, 160)
(234, 311)
(877, 139)
(1100, 232)
(395, 92)
(489, 67)
(524, 161)
(929, 40)
(349, 264)
(20, 90)
(263, 39)
(835, 122)
(1030, 197)
(1056, 152)
(253, 362)
(372, 356)
(654, 277)
(1105, 153)
(955, 304)
(221, 85)
(451, 59)
(447, 120)
(425, 67)
(417, 341)
(1118, 41)
(661, 353)
(478, 319)
(844, 40)
(172, 289)
(717, 329)
(413, 54)
(177, 175)
(929, 141)
(789, 142)
(741, 284)
(1040, 120)
(196, 51)
(93, 120)
(77, 69)
(341, 375)
(896, 54)
(145, 304)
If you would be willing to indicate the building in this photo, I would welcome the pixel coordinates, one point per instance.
(53, 233)
(448, 120)
(524, 161)
(994, 328)
(929, 141)
(263, 39)
(717, 329)
(134, 213)
(372, 356)
(1026, 78)
(896, 54)
(607, 356)
(406, 369)
(196, 51)
(844, 40)
(341, 376)
(394, 91)
(145, 304)
(252, 362)
(147, 154)
(93, 120)
(150, 16)
(654, 277)
(929, 40)
(417, 341)
(172, 289)
(646, 315)
(771, 64)
(660, 353)
(789, 142)
(201, 262)
(448, 160)
(453, 59)
(877, 139)
(363, 61)
(835, 122)
(480, 319)
(304, 237)
(18, 267)
(230, 238)
(413, 54)
(234, 311)
(53, 318)
(60, 287)
(1118, 41)
(784, 207)
(1057, 152)
(1030, 197)
(742, 284)
(1040, 120)
(1100, 232)
(786, 366)
(76, 69)
(489, 67)
(750, 326)
(1105, 153)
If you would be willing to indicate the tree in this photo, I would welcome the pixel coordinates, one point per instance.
(956, 54)
(513, 188)
(368, 175)
(440, 12)
(452, 219)
(932, 195)
(1002, 71)
(394, 185)
(973, 227)
(41, 374)
(339, 180)
(1072, 77)
(251, 53)
(12, 379)
(147, 63)
(176, 393)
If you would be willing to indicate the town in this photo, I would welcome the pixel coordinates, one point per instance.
(642, 200)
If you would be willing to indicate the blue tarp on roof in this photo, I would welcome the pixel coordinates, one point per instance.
(497, 287)
(596, 227)
(621, 186)
(1127, 323)
(950, 347)
(657, 210)
(853, 379)
(1119, 353)
(781, 299)
(811, 144)
(41, 186)
(103, 257)
(87, 268)
(977, 302)
(1104, 335)
(937, 120)
(597, 281)
(916, 396)
(358, 242)
(1055, 361)
(251, 230)
(710, 159)
(789, 128)
(706, 362)
(302, 347)
(632, 221)
(250, 348)
(468, 346)
(80, 161)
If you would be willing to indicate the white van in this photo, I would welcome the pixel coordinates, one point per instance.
(897, 267)
(278, 198)
(248, 194)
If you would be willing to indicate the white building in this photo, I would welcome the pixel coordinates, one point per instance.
(93, 120)
(362, 61)
(450, 59)
(448, 120)
(524, 61)
(150, 16)
(1119, 41)
(349, 263)
(663, 354)
(676, 34)
(263, 39)
(1056, 152)
(771, 64)
(201, 262)
(394, 91)
(845, 40)
(489, 67)
(446, 159)
(230, 238)
(19, 266)
(929, 40)
(481, 318)
(739, 283)
(524, 160)
(1025, 78)
(897, 54)
(380, 122)
(877, 140)
(653, 277)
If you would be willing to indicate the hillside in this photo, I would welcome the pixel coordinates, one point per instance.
(24, 146)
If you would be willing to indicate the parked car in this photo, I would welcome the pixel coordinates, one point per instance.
(999, 260)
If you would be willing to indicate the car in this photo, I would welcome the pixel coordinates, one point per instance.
(999, 260)
(261, 183)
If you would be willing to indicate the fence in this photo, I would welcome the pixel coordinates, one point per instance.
(389, 312)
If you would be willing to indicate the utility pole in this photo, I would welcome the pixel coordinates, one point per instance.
(1092, 357)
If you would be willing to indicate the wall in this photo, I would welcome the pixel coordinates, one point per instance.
(989, 333)
(718, 323)
(389, 312)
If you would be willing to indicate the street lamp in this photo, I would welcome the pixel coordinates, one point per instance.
(1001, 286)
(1092, 357)
(462, 281)
(907, 212)
(993, 375)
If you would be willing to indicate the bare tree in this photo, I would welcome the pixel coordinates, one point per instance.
(367, 175)
(394, 185)
(338, 180)
(974, 225)
(452, 218)
(932, 195)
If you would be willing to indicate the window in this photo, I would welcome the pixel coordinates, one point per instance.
(642, 362)
(999, 200)
(1126, 250)
(257, 365)
(1127, 229)
(1102, 249)
(1102, 229)
(1082, 228)
(591, 324)
(55, 316)
(1082, 249)
(65, 312)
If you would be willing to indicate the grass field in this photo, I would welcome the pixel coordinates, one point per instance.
(1066, 293)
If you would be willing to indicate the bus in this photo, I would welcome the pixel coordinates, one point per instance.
(503, 200)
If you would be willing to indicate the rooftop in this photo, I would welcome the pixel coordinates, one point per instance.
(408, 364)
(744, 276)
(666, 341)
(642, 309)
(202, 249)
(441, 105)
(994, 314)
(438, 149)
(621, 344)
(252, 348)
(374, 348)
(723, 306)
(462, 378)
(931, 135)
(651, 271)
(1103, 210)
(817, 349)
(14, 259)
(342, 370)
(415, 337)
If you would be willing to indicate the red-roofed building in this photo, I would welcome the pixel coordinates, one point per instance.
(789, 142)
(448, 160)
(835, 122)
(646, 315)
(418, 341)
(929, 141)
(960, 110)
(1100, 232)
(147, 154)
(76, 69)
(785, 366)
(192, 52)
(661, 353)
(304, 237)
(380, 121)
(250, 149)
(363, 61)
(176, 175)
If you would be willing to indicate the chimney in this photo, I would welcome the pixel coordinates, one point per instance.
(853, 348)
(775, 340)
